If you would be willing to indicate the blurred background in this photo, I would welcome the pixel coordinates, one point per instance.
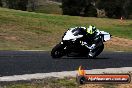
(87, 8)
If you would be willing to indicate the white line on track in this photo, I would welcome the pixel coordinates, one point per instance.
(64, 74)
(119, 51)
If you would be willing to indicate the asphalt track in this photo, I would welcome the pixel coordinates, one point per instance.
(29, 62)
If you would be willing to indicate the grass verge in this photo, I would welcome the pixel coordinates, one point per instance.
(43, 83)
(67, 82)
(49, 8)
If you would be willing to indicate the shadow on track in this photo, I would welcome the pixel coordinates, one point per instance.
(81, 58)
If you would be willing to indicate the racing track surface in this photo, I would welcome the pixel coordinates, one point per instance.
(29, 62)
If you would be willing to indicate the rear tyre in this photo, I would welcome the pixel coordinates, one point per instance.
(99, 50)
(57, 51)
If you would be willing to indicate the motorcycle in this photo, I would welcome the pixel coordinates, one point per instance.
(72, 45)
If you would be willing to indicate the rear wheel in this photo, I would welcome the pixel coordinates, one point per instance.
(99, 50)
(57, 51)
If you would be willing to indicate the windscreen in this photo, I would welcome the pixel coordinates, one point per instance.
(77, 31)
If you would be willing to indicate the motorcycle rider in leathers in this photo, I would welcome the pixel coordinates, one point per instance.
(90, 35)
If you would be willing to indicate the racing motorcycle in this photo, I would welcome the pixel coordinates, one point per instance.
(72, 45)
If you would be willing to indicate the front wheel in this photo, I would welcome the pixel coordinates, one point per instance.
(57, 51)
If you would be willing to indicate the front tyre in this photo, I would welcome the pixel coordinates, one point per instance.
(58, 51)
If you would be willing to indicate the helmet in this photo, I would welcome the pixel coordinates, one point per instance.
(91, 29)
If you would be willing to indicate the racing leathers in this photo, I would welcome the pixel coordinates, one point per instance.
(89, 40)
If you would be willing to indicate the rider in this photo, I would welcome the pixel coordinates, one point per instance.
(90, 37)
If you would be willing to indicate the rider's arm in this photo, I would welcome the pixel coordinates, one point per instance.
(98, 32)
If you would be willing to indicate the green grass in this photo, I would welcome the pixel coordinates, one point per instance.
(110, 85)
(124, 31)
(50, 8)
(42, 83)
(21, 30)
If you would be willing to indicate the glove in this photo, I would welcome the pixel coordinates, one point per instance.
(92, 46)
